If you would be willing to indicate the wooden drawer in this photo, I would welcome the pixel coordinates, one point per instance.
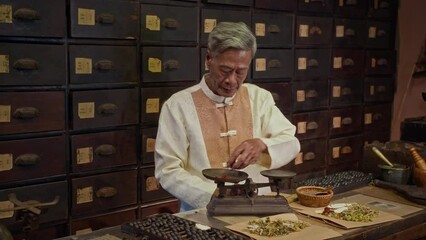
(148, 145)
(102, 150)
(312, 64)
(170, 64)
(272, 29)
(246, 3)
(32, 64)
(350, 8)
(347, 63)
(152, 101)
(150, 188)
(313, 30)
(346, 150)
(281, 92)
(324, 6)
(29, 158)
(288, 5)
(273, 63)
(103, 192)
(380, 35)
(349, 32)
(211, 17)
(102, 108)
(168, 23)
(54, 195)
(382, 9)
(169, 206)
(377, 117)
(309, 95)
(311, 157)
(54, 232)
(311, 124)
(33, 19)
(380, 62)
(345, 121)
(23, 112)
(104, 19)
(345, 93)
(86, 225)
(379, 89)
(102, 64)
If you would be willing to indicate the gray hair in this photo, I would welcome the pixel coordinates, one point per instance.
(228, 35)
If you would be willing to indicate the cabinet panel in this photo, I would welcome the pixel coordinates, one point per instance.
(32, 64)
(322, 6)
(345, 150)
(151, 189)
(313, 30)
(349, 32)
(312, 64)
(32, 158)
(379, 89)
(350, 8)
(23, 112)
(377, 117)
(281, 92)
(382, 9)
(347, 63)
(273, 30)
(311, 158)
(311, 124)
(379, 34)
(102, 108)
(345, 121)
(273, 63)
(246, 3)
(346, 92)
(309, 95)
(288, 5)
(380, 62)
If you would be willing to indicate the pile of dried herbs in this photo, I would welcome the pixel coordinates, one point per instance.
(273, 228)
(355, 212)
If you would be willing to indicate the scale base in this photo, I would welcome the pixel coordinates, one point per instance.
(241, 205)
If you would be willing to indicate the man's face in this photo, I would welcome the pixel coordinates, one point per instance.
(228, 71)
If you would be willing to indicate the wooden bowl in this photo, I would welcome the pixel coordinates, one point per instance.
(314, 196)
(420, 177)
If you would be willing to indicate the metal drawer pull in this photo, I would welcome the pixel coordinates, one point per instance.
(313, 63)
(309, 156)
(105, 150)
(105, 18)
(171, 64)
(106, 192)
(381, 33)
(275, 96)
(274, 28)
(171, 23)
(346, 150)
(28, 159)
(348, 62)
(350, 32)
(26, 113)
(377, 116)
(31, 205)
(26, 14)
(351, 2)
(107, 108)
(312, 125)
(274, 63)
(312, 94)
(382, 62)
(381, 89)
(25, 64)
(346, 91)
(104, 65)
(347, 121)
(315, 30)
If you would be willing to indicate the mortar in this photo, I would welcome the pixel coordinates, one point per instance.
(399, 173)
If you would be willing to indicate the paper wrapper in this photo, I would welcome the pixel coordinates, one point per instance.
(375, 203)
(308, 233)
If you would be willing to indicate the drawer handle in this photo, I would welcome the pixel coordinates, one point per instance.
(313, 63)
(346, 91)
(351, 2)
(274, 63)
(26, 14)
(106, 192)
(275, 96)
(347, 121)
(381, 33)
(107, 109)
(26, 113)
(312, 125)
(309, 156)
(381, 89)
(171, 23)
(105, 150)
(171, 64)
(350, 32)
(346, 150)
(382, 62)
(28, 159)
(312, 94)
(31, 205)
(104, 65)
(25, 64)
(348, 62)
(377, 116)
(274, 28)
(105, 18)
(315, 30)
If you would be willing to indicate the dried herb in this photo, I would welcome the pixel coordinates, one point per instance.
(273, 228)
(355, 212)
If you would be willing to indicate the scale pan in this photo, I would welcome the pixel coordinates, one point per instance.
(277, 174)
(224, 175)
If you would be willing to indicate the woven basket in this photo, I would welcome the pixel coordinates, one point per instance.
(313, 196)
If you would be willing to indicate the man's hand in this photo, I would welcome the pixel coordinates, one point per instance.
(246, 153)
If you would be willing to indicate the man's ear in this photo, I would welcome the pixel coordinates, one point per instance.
(208, 55)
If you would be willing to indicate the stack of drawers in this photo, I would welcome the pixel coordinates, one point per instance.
(82, 83)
